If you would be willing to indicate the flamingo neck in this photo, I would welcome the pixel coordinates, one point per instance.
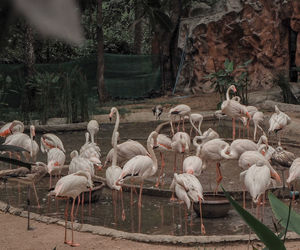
(193, 125)
(224, 153)
(115, 142)
(116, 128)
(152, 154)
(31, 143)
(227, 94)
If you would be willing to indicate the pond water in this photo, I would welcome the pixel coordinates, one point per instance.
(158, 215)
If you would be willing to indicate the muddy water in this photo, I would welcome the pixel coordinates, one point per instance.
(158, 215)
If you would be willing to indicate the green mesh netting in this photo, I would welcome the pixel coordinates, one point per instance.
(125, 76)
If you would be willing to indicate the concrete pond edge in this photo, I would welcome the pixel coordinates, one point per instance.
(139, 237)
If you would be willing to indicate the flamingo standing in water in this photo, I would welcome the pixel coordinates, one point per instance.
(196, 118)
(49, 141)
(240, 146)
(278, 121)
(208, 135)
(164, 144)
(56, 160)
(71, 186)
(181, 143)
(181, 110)
(258, 117)
(257, 179)
(126, 150)
(11, 128)
(188, 188)
(24, 141)
(141, 166)
(93, 129)
(214, 151)
(234, 109)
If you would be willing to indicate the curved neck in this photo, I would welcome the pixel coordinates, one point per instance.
(227, 94)
(224, 154)
(152, 154)
(116, 128)
(115, 142)
(87, 138)
(195, 143)
(31, 143)
(193, 125)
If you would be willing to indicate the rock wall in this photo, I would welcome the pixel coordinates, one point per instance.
(240, 30)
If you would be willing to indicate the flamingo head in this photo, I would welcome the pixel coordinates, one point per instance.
(190, 171)
(233, 88)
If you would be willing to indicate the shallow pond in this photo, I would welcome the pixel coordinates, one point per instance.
(157, 215)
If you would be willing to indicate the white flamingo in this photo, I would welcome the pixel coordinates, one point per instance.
(234, 109)
(214, 151)
(239, 146)
(157, 111)
(192, 165)
(294, 173)
(93, 129)
(181, 110)
(56, 160)
(208, 135)
(24, 141)
(278, 121)
(258, 117)
(188, 188)
(141, 166)
(257, 179)
(196, 118)
(164, 144)
(126, 150)
(71, 186)
(49, 141)
(11, 128)
(181, 144)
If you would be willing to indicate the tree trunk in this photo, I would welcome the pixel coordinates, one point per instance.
(100, 66)
(138, 28)
(29, 57)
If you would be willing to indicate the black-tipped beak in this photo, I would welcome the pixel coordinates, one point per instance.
(33, 137)
(110, 119)
(154, 147)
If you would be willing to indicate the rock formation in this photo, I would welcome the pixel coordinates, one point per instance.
(241, 30)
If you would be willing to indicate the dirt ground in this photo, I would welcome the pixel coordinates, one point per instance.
(15, 236)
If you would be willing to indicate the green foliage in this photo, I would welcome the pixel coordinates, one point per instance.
(271, 240)
(223, 78)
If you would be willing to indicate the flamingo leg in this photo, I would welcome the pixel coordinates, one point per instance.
(72, 221)
(114, 205)
(185, 218)
(233, 128)
(255, 130)
(239, 128)
(175, 162)
(78, 202)
(131, 193)
(36, 196)
(183, 125)
(263, 206)
(244, 197)
(257, 208)
(219, 177)
(50, 181)
(191, 223)
(161, 170)
(82, 203)
(140, 196)
(201, 218)
(66, 222)
(172, 129)
(191, 131)
(122, 204)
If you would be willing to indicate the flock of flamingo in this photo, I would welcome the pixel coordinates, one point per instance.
(131, 160)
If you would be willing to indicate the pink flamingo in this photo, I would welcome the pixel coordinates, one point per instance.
(49, 141)
(71, 186)
(93, 129)
(181, 143)
(11, 128)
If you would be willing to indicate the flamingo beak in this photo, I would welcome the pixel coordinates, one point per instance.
(156, 146)
(234, 89)
(263, 153)
(182, 149)
(190, 171)
(275, 176)
(99, 166)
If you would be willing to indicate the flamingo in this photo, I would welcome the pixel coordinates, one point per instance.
(126, 150)
(278, 121)
(49, 141)
(71, 186)
(196, 118)
(214, 151)
(24, 141)
(192, 165)
(89, 147)
(141, 166)
(187, 187)
(294, 173)
(113, 172)
(239, 146)
(208, 135)
(181, 143)
(283, 160)
(234, 109)
(249, 158)
(164, 144)
(93, 129)
(181, 110)
(11, 128)
(157, 111)
(257, 179)
(56, 161)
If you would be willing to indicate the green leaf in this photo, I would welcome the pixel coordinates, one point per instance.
(262, 231)
(281, 212)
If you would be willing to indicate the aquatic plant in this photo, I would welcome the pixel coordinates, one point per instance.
(285, 215)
